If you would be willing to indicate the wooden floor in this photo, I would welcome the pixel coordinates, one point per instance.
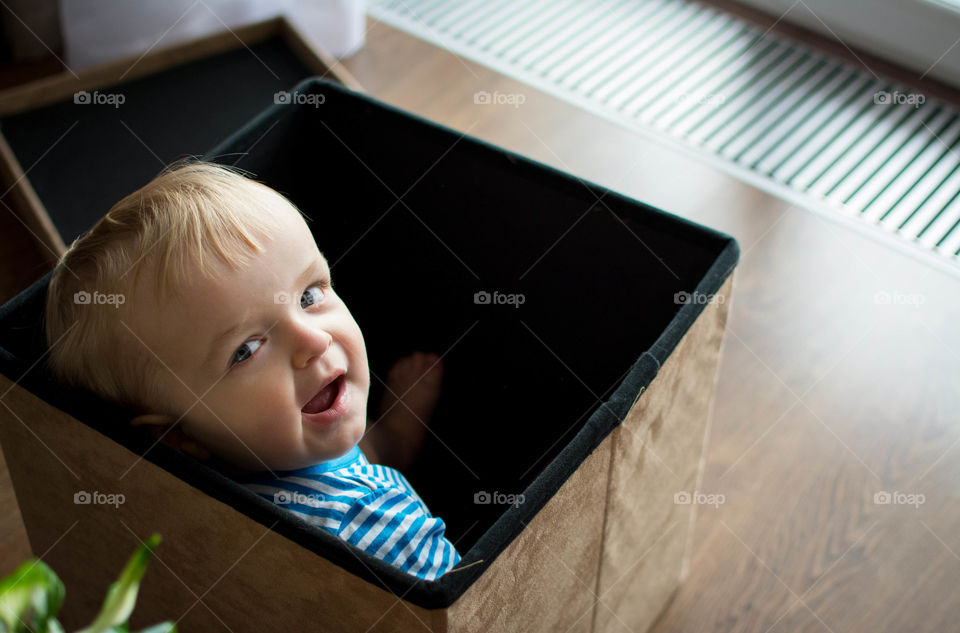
(829, 394)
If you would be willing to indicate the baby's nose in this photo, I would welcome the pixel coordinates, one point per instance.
(313, 343)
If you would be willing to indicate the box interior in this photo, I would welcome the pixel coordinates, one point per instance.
(598, 273)
(598, 281)
(94, 154)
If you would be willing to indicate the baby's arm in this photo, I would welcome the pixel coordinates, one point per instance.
(413, 387)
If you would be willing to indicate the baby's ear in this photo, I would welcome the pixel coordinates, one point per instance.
(165, 428)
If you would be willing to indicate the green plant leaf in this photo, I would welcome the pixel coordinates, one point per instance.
(163, 627)
(122, 595)
(30, 598)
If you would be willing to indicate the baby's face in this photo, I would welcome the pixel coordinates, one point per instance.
(257, 349)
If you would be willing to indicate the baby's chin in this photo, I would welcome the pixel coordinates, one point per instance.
(336, 445)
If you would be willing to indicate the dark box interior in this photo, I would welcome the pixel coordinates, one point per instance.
(82, 158)
(416, 218)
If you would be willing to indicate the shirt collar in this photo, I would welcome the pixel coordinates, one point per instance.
(324, 467)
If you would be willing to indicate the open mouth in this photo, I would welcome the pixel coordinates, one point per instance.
(329, 403)
(325, 397)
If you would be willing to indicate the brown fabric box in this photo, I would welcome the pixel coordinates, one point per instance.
(590, 398)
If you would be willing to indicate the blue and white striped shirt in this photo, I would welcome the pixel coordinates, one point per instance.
(367, 505)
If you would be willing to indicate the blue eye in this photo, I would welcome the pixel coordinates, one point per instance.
(311, 295)
(244, 352)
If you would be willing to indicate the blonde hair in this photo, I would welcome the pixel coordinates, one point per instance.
(190, 215)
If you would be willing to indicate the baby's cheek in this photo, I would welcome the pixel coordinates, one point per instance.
(359, 353)
(272, 409)
(239, 412)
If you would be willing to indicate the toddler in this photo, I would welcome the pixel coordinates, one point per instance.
(225, 332)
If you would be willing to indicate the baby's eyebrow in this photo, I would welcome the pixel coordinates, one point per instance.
(316, 265)
(218, 342)
(226, 333)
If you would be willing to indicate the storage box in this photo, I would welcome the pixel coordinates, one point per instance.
(72, 144)
(581, 332)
